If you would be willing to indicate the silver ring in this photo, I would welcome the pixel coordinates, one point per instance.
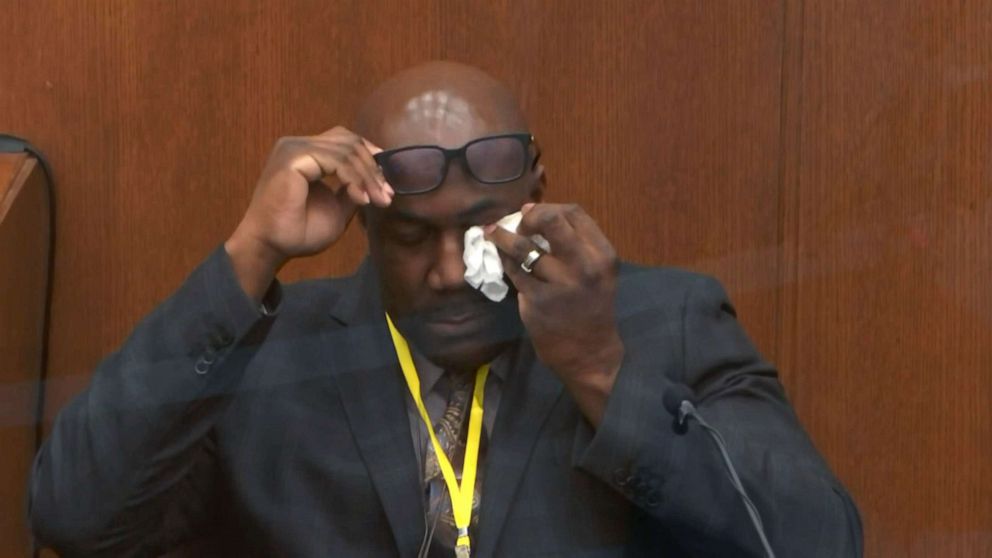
(528, 264)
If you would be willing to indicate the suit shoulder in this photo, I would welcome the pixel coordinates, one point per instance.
(309, 291)
(314, 298)
(661, 283)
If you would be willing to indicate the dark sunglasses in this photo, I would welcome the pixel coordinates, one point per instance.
(497, 159)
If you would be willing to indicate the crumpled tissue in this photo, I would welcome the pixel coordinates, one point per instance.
(483, 268)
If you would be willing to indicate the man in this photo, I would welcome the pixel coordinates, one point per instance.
(288, 422)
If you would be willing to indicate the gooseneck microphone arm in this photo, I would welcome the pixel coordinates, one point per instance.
(678, 401)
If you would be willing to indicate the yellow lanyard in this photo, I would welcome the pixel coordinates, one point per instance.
(461, 496)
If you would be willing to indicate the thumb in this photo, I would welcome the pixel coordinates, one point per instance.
(373, 148)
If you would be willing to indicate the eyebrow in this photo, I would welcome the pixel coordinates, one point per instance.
(478, 208)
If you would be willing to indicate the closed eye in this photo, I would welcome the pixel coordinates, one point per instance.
(410, 232)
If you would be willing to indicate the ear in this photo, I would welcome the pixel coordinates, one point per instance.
(539, 185)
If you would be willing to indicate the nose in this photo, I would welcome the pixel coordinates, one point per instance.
(448, 271)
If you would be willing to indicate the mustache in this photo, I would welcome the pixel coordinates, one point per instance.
(456, 304)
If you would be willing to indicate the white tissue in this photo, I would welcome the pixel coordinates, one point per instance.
(483, 268)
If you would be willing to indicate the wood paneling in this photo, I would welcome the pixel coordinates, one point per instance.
(23, 279)
(659, 118)
(828, 161)
(160, 115)
(887, 314)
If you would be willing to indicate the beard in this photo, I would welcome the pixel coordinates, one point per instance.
(462, 331)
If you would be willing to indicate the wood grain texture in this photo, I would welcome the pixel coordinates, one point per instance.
(23, 277)
(11, 165)
(828, 161)
(888, 243)
(158, 117)
(658, 118)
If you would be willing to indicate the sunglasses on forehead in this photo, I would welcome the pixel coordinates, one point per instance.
(496, 159)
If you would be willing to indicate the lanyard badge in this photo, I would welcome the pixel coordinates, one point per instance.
(461, 495)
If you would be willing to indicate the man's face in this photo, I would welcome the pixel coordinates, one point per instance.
(417, 242)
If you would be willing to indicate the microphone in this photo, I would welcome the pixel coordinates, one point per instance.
(677, 400)
(672, 399)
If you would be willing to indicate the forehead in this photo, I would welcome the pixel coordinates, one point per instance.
(458, 203)
(439, 116)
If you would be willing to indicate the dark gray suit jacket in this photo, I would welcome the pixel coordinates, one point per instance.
(287, 435)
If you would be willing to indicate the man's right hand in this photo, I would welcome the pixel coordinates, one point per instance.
(307, 194)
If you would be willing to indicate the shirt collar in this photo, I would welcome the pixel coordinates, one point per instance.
(431, 373)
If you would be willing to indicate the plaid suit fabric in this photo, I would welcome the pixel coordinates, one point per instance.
(310, 452)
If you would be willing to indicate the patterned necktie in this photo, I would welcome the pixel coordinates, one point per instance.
(451, 431)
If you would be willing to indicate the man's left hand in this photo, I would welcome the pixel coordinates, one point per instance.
(567, 300)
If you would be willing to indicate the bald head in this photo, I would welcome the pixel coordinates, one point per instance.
(416, 243)
(441, 103)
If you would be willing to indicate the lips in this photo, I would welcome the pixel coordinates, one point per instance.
(455, 315)
(457, 312)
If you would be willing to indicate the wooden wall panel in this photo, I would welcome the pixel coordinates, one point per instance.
(887, 314)
(853, 233)
(24, 219)
(159, 115)
(660, 118)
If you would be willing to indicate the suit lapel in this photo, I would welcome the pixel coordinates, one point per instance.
(373, 394)
(531, 392)
(374, 398)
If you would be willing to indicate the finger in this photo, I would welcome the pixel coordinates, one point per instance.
(527, 285)
(373, 149)
(357, 156)
(329, 165)
(371, 181)
(337, 203)
(354, 184)
(517, 248)
(382, 193)
(363, 187)
(311, 166)
(586, 227)
(335, 132)
(548, 220)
